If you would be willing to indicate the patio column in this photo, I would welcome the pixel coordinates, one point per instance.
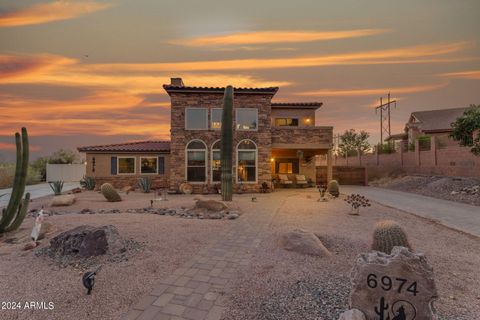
(329, 166)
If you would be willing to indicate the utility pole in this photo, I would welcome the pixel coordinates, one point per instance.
(385, 121)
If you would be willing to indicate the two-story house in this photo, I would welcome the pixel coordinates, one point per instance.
(269, 138)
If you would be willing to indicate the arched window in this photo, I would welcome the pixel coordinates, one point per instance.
(196, 155)
(216, 166)
(247, 161)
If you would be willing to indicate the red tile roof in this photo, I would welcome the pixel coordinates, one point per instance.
(297, 105)
(172, 88)
(139, 146)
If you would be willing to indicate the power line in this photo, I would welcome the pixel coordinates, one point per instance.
(385, 119)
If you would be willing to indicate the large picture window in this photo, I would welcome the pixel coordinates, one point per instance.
(126, 165)
(246, 119)
(196, 118)
(216, 118)
(196, 161)
(246, 161)
(148, 165)
(216, 165)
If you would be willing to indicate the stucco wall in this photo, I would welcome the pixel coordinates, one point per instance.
(103, 174)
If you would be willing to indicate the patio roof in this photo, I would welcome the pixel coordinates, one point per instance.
(296, 105)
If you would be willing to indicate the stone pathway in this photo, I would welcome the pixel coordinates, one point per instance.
(456, 215)
(199, 289)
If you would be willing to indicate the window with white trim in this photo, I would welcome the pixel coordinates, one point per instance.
(196, 158)
(148, 165)
(246, 118)
(196, 118)
(246, 161)
(216, 118)
(126, 165)
(216, 165)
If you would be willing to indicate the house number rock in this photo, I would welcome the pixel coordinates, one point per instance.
(399, 286)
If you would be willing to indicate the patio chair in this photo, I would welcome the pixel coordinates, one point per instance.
(300, 180)
(284, 180)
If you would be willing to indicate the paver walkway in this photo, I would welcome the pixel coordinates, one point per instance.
(36, 191)
(455, 215)
(198, 290)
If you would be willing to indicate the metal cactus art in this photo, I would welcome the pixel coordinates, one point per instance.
(16, 210)
(226, 144)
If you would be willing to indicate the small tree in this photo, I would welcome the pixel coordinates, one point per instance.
(466, 129)
(352, 142)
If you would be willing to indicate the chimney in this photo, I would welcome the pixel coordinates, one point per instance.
(177, 82)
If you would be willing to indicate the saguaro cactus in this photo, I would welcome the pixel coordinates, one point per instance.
(14, 213)
(226, 144)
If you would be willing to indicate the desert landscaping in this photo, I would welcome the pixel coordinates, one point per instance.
(275, 283)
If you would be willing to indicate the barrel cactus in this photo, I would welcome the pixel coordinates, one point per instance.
(110, 193)
(16, 210)
(226, 144)
(389, 234)
(333, 188)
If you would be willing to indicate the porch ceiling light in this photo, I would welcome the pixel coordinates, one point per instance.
(272, 159)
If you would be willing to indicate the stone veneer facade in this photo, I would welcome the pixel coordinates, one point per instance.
(181, 137)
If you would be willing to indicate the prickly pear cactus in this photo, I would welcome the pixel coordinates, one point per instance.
(333, 188)
(388, 234)
(110, 193)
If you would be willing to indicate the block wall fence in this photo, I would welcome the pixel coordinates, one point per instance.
(451, 160)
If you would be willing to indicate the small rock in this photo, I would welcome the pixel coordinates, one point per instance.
(304, 242)
(232, 216)
(63, 200)
(352, 314)
(31, 245)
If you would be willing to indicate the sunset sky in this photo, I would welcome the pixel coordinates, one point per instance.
(91, 72)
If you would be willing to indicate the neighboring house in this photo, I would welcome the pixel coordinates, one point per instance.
(269, 138)
(431, 123)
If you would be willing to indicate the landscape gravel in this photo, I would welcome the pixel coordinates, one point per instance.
(466, 190)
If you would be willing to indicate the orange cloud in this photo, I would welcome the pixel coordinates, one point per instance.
(269, 37)
(371, 91)
(415, 54)
(17, 66)
(49, 12)
(474, 74)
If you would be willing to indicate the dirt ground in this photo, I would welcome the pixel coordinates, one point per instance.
(277, 285)
(447, 188)
(286, 285)
(168, 243)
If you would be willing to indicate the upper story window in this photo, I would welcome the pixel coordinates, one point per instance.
(216, 118)
(286, 122)
(246, 119)
(196, 118)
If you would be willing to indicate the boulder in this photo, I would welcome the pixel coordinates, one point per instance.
(210, 205)
(186, 188)
(63, 200)
(396, 286)
(87, 241)
(352, 314)
(303, 242)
